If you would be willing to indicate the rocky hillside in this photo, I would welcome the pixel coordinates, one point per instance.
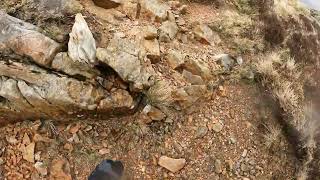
(223, 89)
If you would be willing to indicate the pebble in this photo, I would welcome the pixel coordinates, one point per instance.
(41, 168)
(244, 153)
(217, 127)
(201, 132)
(218, 166)
(1, 161)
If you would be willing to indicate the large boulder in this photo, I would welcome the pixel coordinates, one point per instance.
(122, 56)
(24, 39)
(82, 45)
(28, 91)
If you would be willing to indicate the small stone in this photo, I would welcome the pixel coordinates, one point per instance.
(227, 61)
(201, 132)
(244, 167)
(37, 156)
(233, 140)
(28, 152)
(153, 113)
(244, 153)
(217, 127)
(41, 168)
(88, 128)
(218, 166)
(239, 60)
(104, 151)
(173, 165)
(1, 161)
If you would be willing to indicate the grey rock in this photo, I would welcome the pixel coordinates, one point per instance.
(244, 167)
(82, 45)
(168, 31)
(227, 61)
(24, 39)
(244, 153)
(62, 62)
(123, 56)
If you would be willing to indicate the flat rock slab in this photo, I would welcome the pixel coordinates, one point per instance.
(28, 91)
(173, 165)
(23, 39)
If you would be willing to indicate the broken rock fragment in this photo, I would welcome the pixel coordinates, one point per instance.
(205, 35)
(82, 45)
(168, 31)
(24, 39)
(153, 113)
(173, 165)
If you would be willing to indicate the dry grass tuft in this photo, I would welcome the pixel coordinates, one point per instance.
(286, 96)
(285, 8)
(272, 135)
(160, 94)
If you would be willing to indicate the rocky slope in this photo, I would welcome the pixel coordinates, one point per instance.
(175, 90)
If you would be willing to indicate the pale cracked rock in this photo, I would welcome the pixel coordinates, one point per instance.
(123, 57)
(154, 9)
(205, 35)
(24, 39)
(153, 113)
(173, 165)
(82, 45)
(168, 31)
